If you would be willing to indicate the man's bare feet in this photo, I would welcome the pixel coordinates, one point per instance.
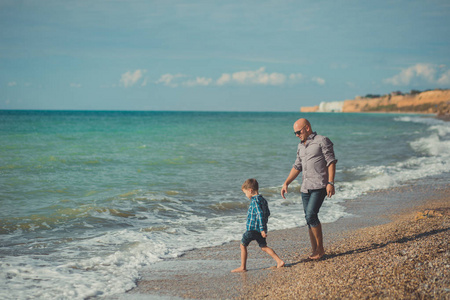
(238, 270)
(280, 264)
(317, 256)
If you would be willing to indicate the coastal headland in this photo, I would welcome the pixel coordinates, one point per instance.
(430, 102)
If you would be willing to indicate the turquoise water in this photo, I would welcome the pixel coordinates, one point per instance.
(89, 198)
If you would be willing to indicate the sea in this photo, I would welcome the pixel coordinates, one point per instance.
(90, 198)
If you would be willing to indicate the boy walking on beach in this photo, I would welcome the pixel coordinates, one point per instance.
(257, 217)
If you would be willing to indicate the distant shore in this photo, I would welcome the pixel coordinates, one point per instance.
(443, 117)
(394, 245)
(427, 102)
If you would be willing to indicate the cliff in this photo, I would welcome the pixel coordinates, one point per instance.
(434, 101)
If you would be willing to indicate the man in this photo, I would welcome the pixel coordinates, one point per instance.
(315, 157)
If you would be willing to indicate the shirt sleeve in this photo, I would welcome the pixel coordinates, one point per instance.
(259, 216)
(298, 163)
(328, 151)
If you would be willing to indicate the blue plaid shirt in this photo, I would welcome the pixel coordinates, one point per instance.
(255, 219)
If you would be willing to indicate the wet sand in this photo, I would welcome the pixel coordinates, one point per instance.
(395, 245)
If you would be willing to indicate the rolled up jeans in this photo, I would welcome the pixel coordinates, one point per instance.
(312, 201)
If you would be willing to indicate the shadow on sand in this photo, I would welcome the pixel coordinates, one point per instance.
(374, 246)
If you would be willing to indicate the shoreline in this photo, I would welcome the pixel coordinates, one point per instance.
(443, 117)
(407, 258)
(205, 273)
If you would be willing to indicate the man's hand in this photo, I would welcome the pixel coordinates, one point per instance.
(292, 175)
(263, 234)
(284, 190)
(330, 190)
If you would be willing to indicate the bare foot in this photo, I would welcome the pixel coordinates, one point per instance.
(238, 270)
(280, 264)
(317, 256)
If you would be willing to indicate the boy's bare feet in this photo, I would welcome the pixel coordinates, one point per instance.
(238, 270)
(280, 264)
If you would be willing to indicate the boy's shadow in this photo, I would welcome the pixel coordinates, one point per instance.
(371, 247)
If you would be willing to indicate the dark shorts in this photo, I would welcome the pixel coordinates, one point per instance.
(252, 236)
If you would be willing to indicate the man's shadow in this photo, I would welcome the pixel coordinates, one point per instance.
(373, 246)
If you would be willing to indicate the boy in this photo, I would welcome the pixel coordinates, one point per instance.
(257, 217)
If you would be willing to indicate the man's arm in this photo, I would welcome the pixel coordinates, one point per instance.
(292, 175)
(331, 173)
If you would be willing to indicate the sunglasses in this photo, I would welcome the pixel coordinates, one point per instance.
(300, 131)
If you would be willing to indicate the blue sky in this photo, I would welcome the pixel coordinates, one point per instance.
(217, 55)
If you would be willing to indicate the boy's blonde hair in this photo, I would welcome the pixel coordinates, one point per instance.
(250, 184)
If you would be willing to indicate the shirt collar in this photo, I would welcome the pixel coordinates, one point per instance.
(310, 137)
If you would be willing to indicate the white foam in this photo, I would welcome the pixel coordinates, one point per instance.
(99, 275)
(104, 272)
(433, 158)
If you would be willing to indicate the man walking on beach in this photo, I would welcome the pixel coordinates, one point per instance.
(315, 157)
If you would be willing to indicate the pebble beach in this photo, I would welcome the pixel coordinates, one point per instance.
(405, 259)
(397, 249)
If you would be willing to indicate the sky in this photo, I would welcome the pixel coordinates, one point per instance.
(217, 55)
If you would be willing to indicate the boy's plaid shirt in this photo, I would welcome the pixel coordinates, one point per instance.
(255, 215)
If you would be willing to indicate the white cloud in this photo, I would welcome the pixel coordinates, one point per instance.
(318, 80)
(224, 79)
(252, 77)
(129, 79)
(202, 81)
(258, 77)
(261, 77)
(421, 72)
(445, 78)
(169, 79)
(12, 83)
(295, 77)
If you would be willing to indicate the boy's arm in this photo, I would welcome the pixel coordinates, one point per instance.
(263, 234)
(259, 216)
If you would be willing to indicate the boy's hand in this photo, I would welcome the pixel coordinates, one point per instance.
(263, 234)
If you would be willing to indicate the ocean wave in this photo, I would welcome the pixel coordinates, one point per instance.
(432, 158)
(228, 206)
(428, 120)
(432, 145)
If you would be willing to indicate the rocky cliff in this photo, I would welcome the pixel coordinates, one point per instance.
(434, 101)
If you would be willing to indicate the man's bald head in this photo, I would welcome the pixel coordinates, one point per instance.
(302, 128)
(301, 123)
